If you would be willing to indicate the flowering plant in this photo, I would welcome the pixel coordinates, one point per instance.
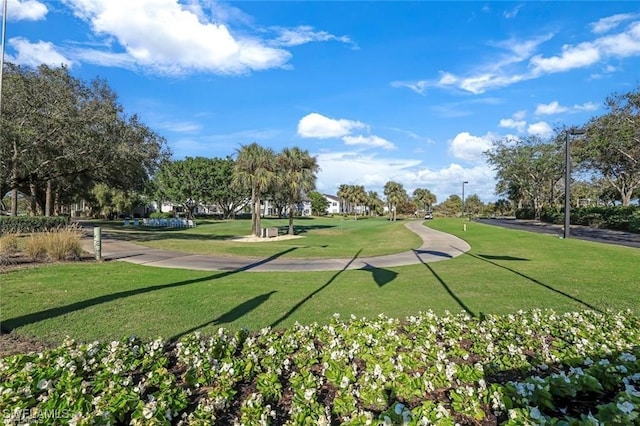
(536, 367)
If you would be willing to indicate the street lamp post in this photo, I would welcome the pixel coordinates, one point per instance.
(463, 183)
(567, 179)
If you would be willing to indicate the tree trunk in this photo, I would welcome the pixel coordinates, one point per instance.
(48, 197)
(256, 215)
(33, 199)
(57, 208)
(290, 220)
(14, 202)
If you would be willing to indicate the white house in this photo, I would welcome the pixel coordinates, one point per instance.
(333, 204)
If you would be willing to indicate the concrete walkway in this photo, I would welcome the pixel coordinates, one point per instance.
(436, 246)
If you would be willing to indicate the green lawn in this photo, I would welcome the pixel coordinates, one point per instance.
(505, 271)
(320, 237)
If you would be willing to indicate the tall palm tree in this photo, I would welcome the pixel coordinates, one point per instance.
(343, 194)
(253, 169)
(373, 202)
(296, 176)
(395, 194)
(358, 197)
(425, 197)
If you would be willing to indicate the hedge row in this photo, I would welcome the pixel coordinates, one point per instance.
(21, 224)
(621, 218)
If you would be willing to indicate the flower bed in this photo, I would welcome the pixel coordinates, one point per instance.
(527, 368)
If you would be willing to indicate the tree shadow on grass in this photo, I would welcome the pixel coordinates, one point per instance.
(318, 290)
(381, 276)
(445, 286)
(11, 323)
(533, 280)
(492, 257)
(434, 253)
(229, 317)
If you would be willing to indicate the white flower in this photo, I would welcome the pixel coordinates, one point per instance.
(535, 413)
(631, 390)
(149, 410)
(308, 394)
(43, 384)
(625, 407)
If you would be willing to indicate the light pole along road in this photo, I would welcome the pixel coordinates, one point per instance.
(463, 183)
(567, 179)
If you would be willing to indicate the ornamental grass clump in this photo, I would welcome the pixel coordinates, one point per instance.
(8, 243)
(56, 244)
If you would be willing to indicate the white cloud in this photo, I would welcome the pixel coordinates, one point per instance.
(555, 108)
(35, 54)
(371, 140)
(510, 123)
(507, 69)
(605, 24)
(550, 108)
(587, 106)
(27, 10)
(373, 172)
(519, 115)
(470, 148)
(541, 129)
(418, 86)
(578, 56)
(167, 37)
(316, 125)
(180, 126)
(620, 45)
(305, 34)
(357, 168)
(510, 14)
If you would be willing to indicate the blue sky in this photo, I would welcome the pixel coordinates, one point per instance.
(407, 91)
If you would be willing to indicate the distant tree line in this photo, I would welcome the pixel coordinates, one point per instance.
(60, 138)
(530, 171)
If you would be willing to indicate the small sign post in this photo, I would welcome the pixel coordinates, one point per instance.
(97, 242)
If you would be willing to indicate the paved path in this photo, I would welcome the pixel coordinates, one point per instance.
(607, 236)
(436, 246)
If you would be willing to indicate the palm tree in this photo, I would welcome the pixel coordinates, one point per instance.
(425, 197)
(296, 176)
(373, 202)
(343, 194)
(395, 194)
(358, 196)
(254, 169)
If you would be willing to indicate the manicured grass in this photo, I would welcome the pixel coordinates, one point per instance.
(505, 271)
(319, 237)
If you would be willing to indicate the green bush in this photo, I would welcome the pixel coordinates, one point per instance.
(552, 215)
(525, 213)
(621, 218)
(26, 224)
(161, 215)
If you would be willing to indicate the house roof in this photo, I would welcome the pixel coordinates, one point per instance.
(331, 197)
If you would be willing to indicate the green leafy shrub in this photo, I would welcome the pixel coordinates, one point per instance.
(161, 215)
(26, 224)
(552, 215)
(526, 213)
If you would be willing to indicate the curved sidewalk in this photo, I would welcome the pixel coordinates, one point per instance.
(436, 246)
